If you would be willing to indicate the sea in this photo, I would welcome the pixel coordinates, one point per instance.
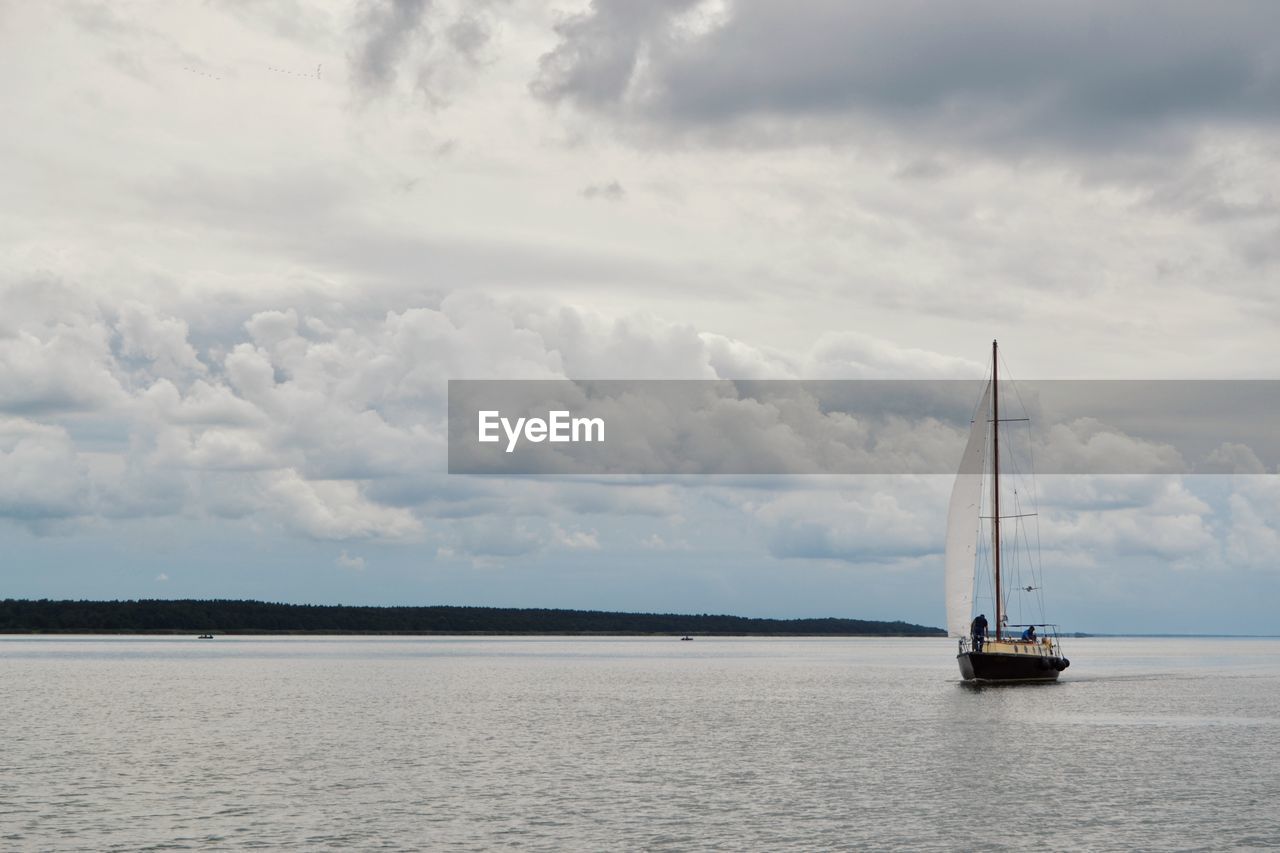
(631, 743)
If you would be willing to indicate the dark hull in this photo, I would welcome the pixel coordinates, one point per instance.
(986, 666)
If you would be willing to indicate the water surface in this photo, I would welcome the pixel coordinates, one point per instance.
(113, 743)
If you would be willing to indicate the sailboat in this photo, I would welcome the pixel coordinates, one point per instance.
(1006, 654)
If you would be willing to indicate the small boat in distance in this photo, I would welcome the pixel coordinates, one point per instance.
(205, 637)
(686, 637)
(1003, 657)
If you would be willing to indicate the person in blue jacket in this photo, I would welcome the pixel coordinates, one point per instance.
(1029, 635)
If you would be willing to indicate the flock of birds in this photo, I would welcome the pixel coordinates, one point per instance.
(294, 73)
(272, 68)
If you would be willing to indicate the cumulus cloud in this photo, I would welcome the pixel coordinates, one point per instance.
(1253, 533)
(853, 355)
(42, 476)
(576, 540)
(55, 352)
(1184, 537)
(1232, 458)
(349, 562)
(495, 537)
(201, 403)
(162, 341)
(332, 424)
(657, 542)
(870, 524)
(1119, 526)
(333, 509)
(329, 425)
(1086, 445)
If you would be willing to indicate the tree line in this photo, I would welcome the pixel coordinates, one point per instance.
(236, 616)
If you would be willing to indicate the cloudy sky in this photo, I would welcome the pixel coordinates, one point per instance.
(245, 244)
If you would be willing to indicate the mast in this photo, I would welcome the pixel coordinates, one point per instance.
(995, 477)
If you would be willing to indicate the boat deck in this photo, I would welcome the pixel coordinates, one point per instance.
(1042, 648)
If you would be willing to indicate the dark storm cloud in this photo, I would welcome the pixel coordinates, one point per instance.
(417, 42)
(599, 50)
(612, 191)
(1087, 74)
(468, 35)
(387, 29)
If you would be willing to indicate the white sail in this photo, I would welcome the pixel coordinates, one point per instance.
(962, 524)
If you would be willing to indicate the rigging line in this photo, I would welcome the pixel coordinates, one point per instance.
(1035, 506)
(1035, 577)
(1022, 543)
(1022, 546)
(1015, 563)
(1035, 560)
(1035, 489)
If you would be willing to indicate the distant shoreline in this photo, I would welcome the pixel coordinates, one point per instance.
(177, 632)
(179, 617)
(246, 617)
(255, 633)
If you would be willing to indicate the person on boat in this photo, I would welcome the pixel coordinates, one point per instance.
(978, 630)
(1029, 635)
